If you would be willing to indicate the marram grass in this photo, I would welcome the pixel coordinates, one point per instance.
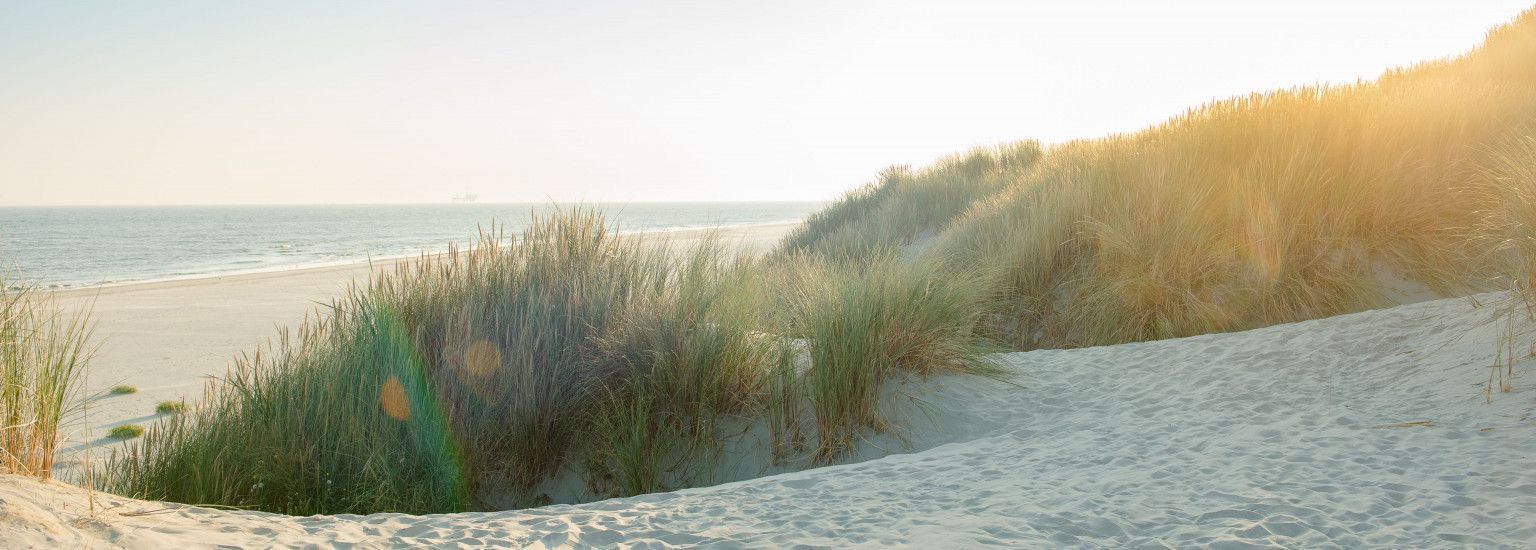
(868, 324)
(1258, 210)
(474, 379)
(43, 357)
(905, 206)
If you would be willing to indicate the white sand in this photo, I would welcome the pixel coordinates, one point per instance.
(1274, 437)
(166, 338)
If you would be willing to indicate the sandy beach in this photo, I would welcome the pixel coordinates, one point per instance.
(1368, 429)
(166, 338)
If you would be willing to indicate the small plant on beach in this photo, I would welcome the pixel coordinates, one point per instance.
(171, 407)
(43, 356)
(123, 389)
(125, 431)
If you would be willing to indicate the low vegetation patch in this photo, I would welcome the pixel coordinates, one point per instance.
(125, 431)
(123, 389)
(171, 407)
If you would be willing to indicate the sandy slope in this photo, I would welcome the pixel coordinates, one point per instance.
(1279, 436)
(166, 338)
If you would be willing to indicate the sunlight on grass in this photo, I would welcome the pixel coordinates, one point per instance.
(1263, 209)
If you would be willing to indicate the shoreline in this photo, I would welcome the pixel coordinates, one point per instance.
(67, 291)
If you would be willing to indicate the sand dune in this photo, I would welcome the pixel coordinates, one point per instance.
(1366, 429)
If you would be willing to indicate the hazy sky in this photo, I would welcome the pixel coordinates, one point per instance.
(328, 102)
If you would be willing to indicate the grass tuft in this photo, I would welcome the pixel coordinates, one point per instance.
(126, 431)
(43, 358)
(171, 407)
(867, 325)
(123, 389)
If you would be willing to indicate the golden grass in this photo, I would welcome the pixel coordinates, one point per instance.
(904, 206)
(1263, 209)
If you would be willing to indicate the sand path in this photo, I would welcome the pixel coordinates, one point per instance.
(1279, 436)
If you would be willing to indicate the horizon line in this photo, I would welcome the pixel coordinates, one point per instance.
(439, 203)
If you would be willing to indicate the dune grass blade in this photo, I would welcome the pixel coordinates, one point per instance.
(43, 357)
(1506, 232)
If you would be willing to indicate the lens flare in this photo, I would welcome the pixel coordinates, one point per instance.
(481, 359)
(392, 398)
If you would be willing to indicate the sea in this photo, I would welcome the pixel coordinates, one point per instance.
(66, 247)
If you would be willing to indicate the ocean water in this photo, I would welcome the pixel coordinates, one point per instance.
(63, 247)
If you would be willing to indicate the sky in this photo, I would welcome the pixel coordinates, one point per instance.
(315, 102)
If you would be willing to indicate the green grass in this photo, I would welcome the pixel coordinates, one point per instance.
(471, 380)
(43, 358)
(866, 325)
(125, 431)
(122, 389)
(171, 407)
